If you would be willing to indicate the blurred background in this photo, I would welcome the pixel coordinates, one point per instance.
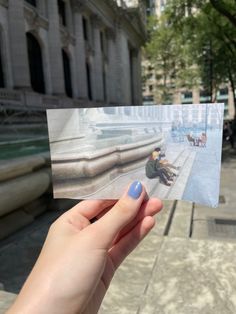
(73, 53)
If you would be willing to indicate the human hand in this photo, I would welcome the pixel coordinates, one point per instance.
(79, 259)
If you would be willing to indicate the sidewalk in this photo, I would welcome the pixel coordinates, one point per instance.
(175, 274)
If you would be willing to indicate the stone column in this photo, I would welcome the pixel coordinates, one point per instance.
(98, 67)
(55, 52)
(118, 66)
(80, 56)
(18, 45)
(136, 84)
(125, 76)
(111, 75)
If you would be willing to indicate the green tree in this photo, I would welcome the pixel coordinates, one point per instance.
(210, 30)
(169, 55)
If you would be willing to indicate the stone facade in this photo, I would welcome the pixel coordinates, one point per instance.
(70, 53)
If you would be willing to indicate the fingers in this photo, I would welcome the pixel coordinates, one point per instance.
(124, 211)
(148, 208)
(89, 208)
(129, 242)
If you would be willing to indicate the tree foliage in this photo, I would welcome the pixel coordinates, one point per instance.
(196, 41)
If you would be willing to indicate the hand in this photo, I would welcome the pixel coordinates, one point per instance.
(79, 258)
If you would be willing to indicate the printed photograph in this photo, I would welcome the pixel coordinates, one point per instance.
(174, 150)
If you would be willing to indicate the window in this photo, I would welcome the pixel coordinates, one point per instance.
(62, 12)
(2, 84)
(204, 93)
(35, 64)
(89, 85)
(127, 111)
(32, 2)
(188, 95)
(104, 85)
(109, 110)
(85, 28)
(102, 41)
(67, 73)
(224, 91)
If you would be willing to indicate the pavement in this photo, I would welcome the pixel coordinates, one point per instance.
(185, 265)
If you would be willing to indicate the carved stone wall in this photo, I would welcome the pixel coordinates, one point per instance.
(80, 36)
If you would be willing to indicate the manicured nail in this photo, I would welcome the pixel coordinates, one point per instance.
(135, 190)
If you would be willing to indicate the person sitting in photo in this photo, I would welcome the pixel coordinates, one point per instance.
(203, 139)
(154, 169)
(158, 154)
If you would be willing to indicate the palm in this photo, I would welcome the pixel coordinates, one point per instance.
(107, 251)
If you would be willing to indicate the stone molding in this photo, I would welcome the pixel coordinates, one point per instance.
(110, 33)
(79, 6)
(66, 37)
(97, 21)
(94, 163)
(34, 20)
(89, 50)
(9, 95)
(84, 175)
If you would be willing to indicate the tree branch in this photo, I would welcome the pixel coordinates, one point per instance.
(223, 11)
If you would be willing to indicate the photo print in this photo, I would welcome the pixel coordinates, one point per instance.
(174, 150)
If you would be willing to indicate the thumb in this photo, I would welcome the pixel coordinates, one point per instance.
(120, 215)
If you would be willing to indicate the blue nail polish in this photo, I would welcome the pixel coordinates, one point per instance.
(135, 190)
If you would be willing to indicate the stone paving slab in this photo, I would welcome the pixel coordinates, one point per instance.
(181, 222)
(192, 276)
(132, 279)
(6, 299)
(204, 215)
(163, 217)
(175, 275)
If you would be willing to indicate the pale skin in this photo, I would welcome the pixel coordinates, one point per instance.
(79, 258)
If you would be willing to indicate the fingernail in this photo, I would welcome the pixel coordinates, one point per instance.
(135, 190)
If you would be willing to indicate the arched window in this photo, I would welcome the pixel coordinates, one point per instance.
(89, 84)
(62, 12)
(32, 2)
(67, 73)
(2, 83)
(35, 64)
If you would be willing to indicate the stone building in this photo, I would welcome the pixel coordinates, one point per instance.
(66, 53)
(53, 54)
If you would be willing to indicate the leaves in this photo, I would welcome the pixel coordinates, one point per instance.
(193, 42)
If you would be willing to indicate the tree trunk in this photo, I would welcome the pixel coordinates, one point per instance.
(233, 89)
(220, 7)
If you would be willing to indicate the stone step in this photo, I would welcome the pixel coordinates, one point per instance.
(20, 191)
(19, 166)
(13, 222)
